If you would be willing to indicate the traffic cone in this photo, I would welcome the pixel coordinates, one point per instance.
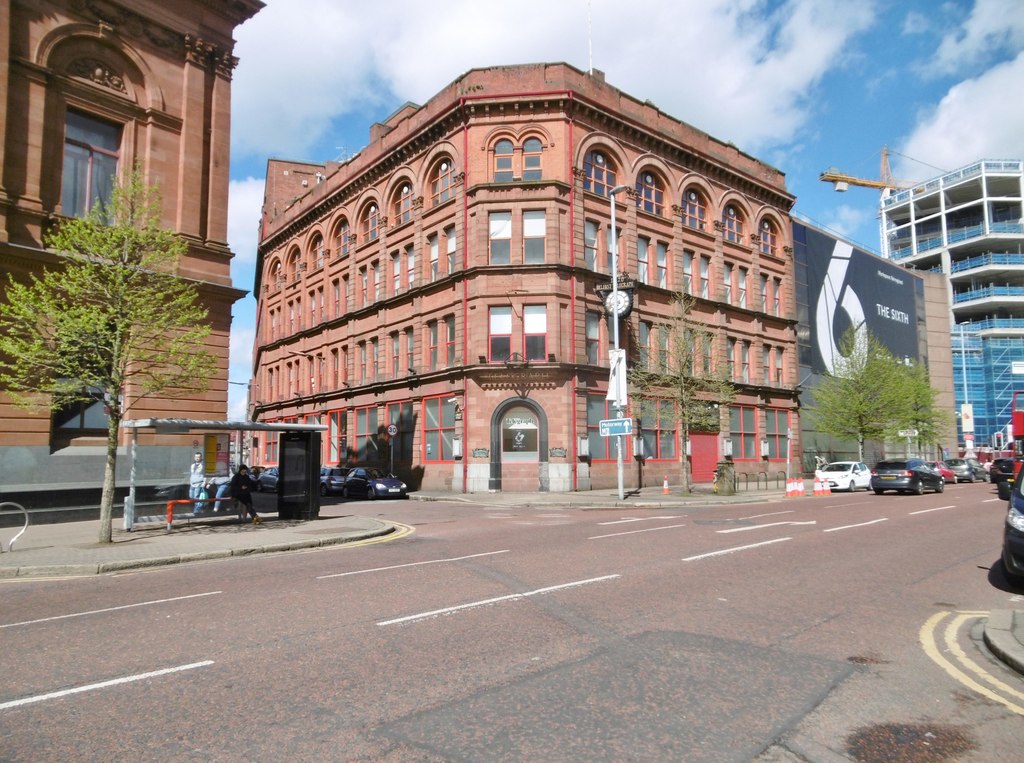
(664, 486)
(790, 488)
(800, 488)
(826, 488)
(817, 486)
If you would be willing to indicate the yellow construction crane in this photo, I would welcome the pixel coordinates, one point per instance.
(842, 182)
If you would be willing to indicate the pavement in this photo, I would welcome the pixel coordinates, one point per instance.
(71, 549)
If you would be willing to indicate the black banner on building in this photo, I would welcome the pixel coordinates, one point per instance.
(846, 288)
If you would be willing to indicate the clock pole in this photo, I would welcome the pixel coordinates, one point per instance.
(615, 333)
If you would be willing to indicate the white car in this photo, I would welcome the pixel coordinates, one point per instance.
(845, 475)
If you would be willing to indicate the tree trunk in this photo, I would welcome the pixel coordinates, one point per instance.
(109, 472)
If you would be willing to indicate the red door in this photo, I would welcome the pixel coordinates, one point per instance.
(703, 456)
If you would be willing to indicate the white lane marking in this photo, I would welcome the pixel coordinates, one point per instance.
(991, 500)
(733, 550)
(634, 532)
(769, 514)
(633, 519)
(937, 508)
(411, 564)
(102, 685)
(862, 524)
(109, 609)
(761, 527)
(495, 600)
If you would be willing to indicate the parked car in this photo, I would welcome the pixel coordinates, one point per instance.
(332, 479)
(1003, 473)
(909, 475)
(845, 475)
(268, 479)
(1013, 536)
(943, 468)
(368, 482)
(967, 469)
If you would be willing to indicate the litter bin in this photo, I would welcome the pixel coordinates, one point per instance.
(725, 478)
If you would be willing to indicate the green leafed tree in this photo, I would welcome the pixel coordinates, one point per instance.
(870, 394)
(684, 377)
(918, 410)
(110, 321)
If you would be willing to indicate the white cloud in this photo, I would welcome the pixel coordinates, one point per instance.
(245, 200)
(239, 369)
(978, 118)
(722, 65)
(993, 28)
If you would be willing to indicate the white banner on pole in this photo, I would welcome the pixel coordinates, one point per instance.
(617, 378)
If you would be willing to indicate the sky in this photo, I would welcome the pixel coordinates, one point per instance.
(803, 85)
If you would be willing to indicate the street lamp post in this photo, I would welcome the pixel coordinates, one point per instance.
(615, 333)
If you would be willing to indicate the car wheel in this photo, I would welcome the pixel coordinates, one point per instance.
(853, 486)
(344, 493)
(323, 489)
(371, 493)
(941, 487)
(919, 488)
(878, 491)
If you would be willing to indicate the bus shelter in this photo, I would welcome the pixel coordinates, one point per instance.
(298, 495)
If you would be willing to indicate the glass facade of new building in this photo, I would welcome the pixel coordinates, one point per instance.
(968, 225)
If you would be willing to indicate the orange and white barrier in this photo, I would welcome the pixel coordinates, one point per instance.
(817, 486)
(664, 486)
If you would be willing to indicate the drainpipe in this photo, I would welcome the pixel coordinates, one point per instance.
(573, 441)
(465, 295)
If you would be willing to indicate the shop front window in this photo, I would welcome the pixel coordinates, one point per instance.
(520, 435)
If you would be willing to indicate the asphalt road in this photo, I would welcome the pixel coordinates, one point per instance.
(841, 628)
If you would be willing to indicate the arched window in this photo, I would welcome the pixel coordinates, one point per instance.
(532, 159)
(694, 209)
(769, 238)
(368, 223)
(649, 194)
(316, 251)
(341, 238)
(598, 172)
(293, 265)
(441, 182)
(732, 224)
(401, 208)
(503, 156)
(276, 275)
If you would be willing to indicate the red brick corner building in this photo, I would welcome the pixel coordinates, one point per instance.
(436, 299)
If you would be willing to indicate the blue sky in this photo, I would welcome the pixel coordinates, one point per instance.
(801, 84)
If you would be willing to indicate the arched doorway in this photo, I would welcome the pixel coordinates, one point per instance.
(519, 447)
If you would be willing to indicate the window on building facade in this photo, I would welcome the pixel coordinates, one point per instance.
(534, 231)
(741, 287)
(687, 271)
(658, 430)
(91, 154)
(438, 429)
(593, 337)
(368, 223)
(432, 339)
(662, 265)
(449, 340)
(396, 273)
(451, 250)
(601, 448)
(374, 359)
(727, 285)
(533, 159)
(520, 435)
(643, 246)
(694, 210)
(362, 363)
(364, 286)
(732, 224)
(764, 293)
(442, 182)
(366, 444)
(401, 415)
(620, 253)
(503, 155)
(663, 341)
(410, 350)
(83, 418)
(776, 431)
(500, 238)
(336, 369)
(396, 367)
(643, 358)
(317, 251)
(743, 432)
(769, 239)
(650, 196)
(535, 332)
(705, 277)
(777, 297)
(341, 238)
(410, 266)
(336, 432)
(590, 237)
(435, 257)
(499, 334)
(401, 206)
(745, 361)
(293, 261)
(598, 173)
(766, 364)
(730, 356)
(780, 356)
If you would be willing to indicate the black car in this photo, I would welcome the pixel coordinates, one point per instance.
(332, 479)
(1002, 473)
(1013, 536)
(369, 482)
(908, 475)
(268, 479)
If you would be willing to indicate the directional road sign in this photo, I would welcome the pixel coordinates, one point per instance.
(613, 427)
